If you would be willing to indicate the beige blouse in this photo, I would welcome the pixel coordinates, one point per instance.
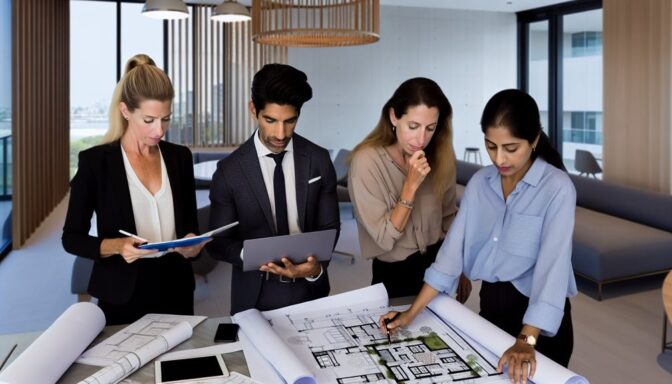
(374, 183)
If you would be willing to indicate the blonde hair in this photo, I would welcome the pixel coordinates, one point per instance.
(142, 80)
(439, 151)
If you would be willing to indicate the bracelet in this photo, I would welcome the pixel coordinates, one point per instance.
(405, 203)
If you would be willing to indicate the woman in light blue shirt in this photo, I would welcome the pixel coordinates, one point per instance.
(514, 232)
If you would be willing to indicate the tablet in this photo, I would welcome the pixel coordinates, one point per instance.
(185, 242)
(296, 248)
(204, 368)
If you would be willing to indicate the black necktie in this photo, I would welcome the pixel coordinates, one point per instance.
(281, 221)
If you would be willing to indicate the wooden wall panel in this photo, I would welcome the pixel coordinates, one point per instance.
(40, 111)
(637, 93)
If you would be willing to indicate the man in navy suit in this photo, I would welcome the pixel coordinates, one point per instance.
(276, 183)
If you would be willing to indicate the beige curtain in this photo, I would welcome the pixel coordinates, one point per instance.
(211, 65)
(40, 111)
(637, 93)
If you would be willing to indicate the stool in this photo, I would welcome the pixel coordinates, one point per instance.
(468, 151)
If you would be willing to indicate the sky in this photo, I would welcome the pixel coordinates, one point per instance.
(93, 47)
(5, 59)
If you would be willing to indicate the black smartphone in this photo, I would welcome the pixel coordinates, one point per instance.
(226, 332)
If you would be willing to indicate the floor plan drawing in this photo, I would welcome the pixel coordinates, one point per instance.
(347, 347)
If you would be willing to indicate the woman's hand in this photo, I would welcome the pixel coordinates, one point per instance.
(191, 251)
(395, 320)
(124, 246)
(463, 289)
(417, 168)
(521, 361)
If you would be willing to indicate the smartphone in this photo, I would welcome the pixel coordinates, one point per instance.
(226, 332)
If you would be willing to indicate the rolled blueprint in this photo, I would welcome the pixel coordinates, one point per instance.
(272, 348)
(497, 341)
(133, 361)
(52, 353)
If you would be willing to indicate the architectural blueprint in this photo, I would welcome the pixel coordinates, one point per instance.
(346, 346)
(336, 339)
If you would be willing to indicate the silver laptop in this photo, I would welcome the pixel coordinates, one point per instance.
(296, 248)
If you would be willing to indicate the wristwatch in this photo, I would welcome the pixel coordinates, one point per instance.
(528, 339)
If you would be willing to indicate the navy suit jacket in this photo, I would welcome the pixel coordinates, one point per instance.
(238, 193)
(101, 186)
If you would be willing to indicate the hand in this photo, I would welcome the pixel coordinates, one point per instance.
(191, 251)
(417, 168)
(310, 268)
(401, 319)
(520, 359)
(124, 246)
(463, 289)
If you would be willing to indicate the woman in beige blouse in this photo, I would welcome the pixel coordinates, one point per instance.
(402, 186)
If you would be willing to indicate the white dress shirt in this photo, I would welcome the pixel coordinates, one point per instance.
(267, 165)
(153, 214)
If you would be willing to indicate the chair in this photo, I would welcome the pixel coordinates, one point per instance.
(341, 167)
(584, 162)
(203, 264)
(342, 194)
(81, 274)
(200, 157)
(667, 302)
(469, 151)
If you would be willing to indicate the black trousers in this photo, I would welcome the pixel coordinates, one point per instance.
(503, 305)
(155, 292)
(404, 278)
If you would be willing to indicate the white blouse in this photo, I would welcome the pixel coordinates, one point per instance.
(154, 214)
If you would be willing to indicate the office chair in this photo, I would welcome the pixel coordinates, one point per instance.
(79, 281)
(585, 162)
(342, 194)
(203, 264)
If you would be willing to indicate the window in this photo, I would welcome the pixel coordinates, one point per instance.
(94, 63)
(5, 125)
(566, 80)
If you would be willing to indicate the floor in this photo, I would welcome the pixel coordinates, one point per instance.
(617, 340)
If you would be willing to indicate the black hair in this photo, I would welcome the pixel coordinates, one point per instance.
(280, 84)
(518, 112)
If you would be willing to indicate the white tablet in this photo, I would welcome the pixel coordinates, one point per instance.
(296, 248)
(205, 369)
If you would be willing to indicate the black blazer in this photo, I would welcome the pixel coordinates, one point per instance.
(100, 186)
(238, 193)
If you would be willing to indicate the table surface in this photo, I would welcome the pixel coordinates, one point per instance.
(203, 336)
(204, 171)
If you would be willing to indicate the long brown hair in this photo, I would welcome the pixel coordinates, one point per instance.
(439, 151)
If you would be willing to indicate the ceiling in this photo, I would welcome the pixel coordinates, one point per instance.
(475, 5)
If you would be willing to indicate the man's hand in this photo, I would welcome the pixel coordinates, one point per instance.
(310, 268)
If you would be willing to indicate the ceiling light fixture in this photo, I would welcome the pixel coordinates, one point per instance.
(165, 9)
(315, 23)
(230, 11)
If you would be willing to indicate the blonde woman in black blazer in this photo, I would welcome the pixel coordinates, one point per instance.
(127, 284)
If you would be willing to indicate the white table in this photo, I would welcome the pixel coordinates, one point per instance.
(204, 171)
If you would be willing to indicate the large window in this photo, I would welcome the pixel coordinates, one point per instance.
(5, 124)
(94, 62)
(563, 72)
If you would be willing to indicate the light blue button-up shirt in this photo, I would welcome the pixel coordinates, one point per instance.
(525, 239)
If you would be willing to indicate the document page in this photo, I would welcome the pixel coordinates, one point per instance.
(132, 361)
(134, 337)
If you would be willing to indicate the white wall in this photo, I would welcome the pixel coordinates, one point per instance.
(470, 54)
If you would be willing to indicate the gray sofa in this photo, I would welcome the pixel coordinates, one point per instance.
(620, 233)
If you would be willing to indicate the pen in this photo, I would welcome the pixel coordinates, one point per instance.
(387, 321)
(133, 236)
(7, 357)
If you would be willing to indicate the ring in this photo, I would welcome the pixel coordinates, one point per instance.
(526, 362)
